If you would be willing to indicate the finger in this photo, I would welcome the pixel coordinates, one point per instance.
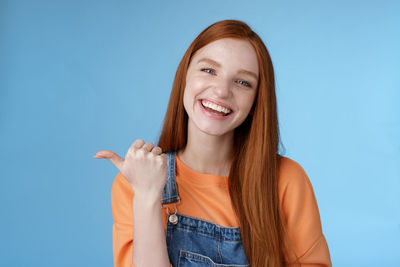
(156, 150)
(148, 146)
(164, 156)
(112, 157)
(137, 145)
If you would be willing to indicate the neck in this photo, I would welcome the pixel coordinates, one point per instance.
(208, 154)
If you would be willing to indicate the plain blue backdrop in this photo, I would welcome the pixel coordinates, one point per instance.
(77, 77)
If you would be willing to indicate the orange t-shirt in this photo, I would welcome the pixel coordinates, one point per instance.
(206, 196)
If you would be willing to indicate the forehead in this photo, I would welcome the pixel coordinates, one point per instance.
(230, 53)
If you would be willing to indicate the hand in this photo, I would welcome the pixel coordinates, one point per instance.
(144, 166)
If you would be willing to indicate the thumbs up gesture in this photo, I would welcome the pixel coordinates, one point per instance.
(144, 166)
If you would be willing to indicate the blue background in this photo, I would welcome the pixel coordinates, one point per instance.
(77, 77)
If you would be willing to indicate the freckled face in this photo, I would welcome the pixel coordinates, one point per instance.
(221, 85)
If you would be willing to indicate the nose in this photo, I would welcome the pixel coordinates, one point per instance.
(222, 88)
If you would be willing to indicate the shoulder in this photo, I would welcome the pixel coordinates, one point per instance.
(295, 190)
(291, 173)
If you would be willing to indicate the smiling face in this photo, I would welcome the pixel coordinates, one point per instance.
(221, 85)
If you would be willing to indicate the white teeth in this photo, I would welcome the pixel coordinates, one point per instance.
(215, 107)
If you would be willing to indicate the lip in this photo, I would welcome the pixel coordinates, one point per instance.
(218, 103)
(212, 115)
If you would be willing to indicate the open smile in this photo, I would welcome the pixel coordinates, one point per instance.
(213, 110)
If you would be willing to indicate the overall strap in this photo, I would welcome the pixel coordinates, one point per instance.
(170, 193)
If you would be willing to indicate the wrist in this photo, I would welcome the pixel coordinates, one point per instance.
(148, 198)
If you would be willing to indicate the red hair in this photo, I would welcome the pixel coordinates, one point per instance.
(253, 177)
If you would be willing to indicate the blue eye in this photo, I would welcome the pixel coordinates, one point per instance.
(207, 70)
(211, 71)
(245, 83)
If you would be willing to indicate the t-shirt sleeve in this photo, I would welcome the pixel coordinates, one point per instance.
(302, 217)
(122, 231)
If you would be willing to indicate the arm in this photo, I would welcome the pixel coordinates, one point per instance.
(144, 170)
(147, 219)
(149, 246)
(302, 217)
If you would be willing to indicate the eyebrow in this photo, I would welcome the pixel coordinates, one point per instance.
(213, 62)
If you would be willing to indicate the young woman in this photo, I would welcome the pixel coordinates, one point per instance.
(215, 191)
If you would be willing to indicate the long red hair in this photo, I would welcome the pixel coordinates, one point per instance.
(253, 177)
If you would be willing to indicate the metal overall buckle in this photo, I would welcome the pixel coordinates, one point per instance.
(172, 217)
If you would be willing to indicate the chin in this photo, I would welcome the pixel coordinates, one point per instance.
(210, 128)
(215, 132)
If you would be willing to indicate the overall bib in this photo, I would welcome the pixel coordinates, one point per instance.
(193, 242)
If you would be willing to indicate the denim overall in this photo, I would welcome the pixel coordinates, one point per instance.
(195, 242)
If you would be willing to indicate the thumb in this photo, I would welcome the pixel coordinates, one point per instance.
(111, 156)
